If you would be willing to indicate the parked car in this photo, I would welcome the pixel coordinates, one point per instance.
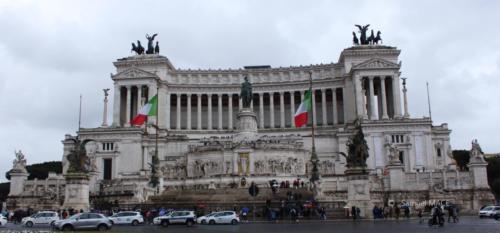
(489, 211)
(40, 218)
(203, 219)
(176, 217)
(84, 221)
(3, 220)
(224, 217)
(127, 217)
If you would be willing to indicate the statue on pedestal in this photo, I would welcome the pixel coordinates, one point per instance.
(78, 160)
(19, 162)
(476, 154)
(357, 149)
(246, 94)
(393, 153)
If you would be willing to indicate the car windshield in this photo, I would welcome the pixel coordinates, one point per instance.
(488, 208)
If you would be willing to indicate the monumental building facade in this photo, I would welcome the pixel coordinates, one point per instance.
(199, 147)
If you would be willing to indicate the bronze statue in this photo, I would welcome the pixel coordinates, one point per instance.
(157, 48)
(246, 94)
(357, 149)
(78, 160)
(150, 49)
(371, 38)
(362, 30)
(138, 49)
(377, 38)
(355, 40)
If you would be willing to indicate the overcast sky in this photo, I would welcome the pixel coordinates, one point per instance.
(53, 51)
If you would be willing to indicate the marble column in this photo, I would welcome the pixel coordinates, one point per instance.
(139, 98)
(334, 106)
(384, 98)
(323, 107)
(359, 96)
(219, 103)
(209, 118)
(167, 111)
(315, 118)
(230, 111)
(371, 100)
(396, 97)
(116, 106)
(198, 109)
(178, 111)
(301, 96)
(405, 103)
(261, 110)
(282, 110)
(128, 106)
(188, 125)
(292, 108)
(105, 110)
(271, 109)
(240, 103)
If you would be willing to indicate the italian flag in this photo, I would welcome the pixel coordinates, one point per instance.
(300, 116)
(148, 109)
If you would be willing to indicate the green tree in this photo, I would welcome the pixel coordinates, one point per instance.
(41, 170)
(494, 176)
(462, 157)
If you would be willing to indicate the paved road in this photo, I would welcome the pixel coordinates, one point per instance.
(466, 225)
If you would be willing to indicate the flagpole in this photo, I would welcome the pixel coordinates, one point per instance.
(79, 116)
(314, 156)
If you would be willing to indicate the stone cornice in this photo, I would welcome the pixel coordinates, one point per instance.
(134, 73)
(376, 63)
(240, 71)
(368, 50)
(144, 59)
(257, 87)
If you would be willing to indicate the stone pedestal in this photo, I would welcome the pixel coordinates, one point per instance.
(477, 166)
(358, 191)
(77, 192)
(246, 126)
(396, 176)
(17, 180)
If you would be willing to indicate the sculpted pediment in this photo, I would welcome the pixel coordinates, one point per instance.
(134, 73)
(376, 63)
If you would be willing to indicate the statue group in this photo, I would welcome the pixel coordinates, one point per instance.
(363, 40)
(357, 148)
(78, 160)
(138, 49)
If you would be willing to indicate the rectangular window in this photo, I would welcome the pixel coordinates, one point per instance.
(107, 169)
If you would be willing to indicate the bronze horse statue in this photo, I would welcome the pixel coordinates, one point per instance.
(78, 160)
(138, 49)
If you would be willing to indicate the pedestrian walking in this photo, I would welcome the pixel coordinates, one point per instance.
(353, 212)
(420, 215)
(293, 215)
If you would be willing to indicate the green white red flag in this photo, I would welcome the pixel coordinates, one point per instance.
(149, 109)
(301, 115)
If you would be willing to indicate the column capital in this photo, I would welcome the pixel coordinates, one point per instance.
(219, 95)
(371, 77)
(188, 94)
(382, 77)
(260, 94)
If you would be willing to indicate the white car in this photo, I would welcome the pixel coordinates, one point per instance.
(127, 217)
(204, 219)
(40, 218)
(224, 217)
(176, 217)
(489, 211)
(3, 221)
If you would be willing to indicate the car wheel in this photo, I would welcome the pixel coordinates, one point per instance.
(29, 224)
(211, 222)
(234, 221)
(189, 223)
(135, 223)
(203, 221)
(164, 223)
(67, 228)
(112, 223)
(102, 227)
(52, 223)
